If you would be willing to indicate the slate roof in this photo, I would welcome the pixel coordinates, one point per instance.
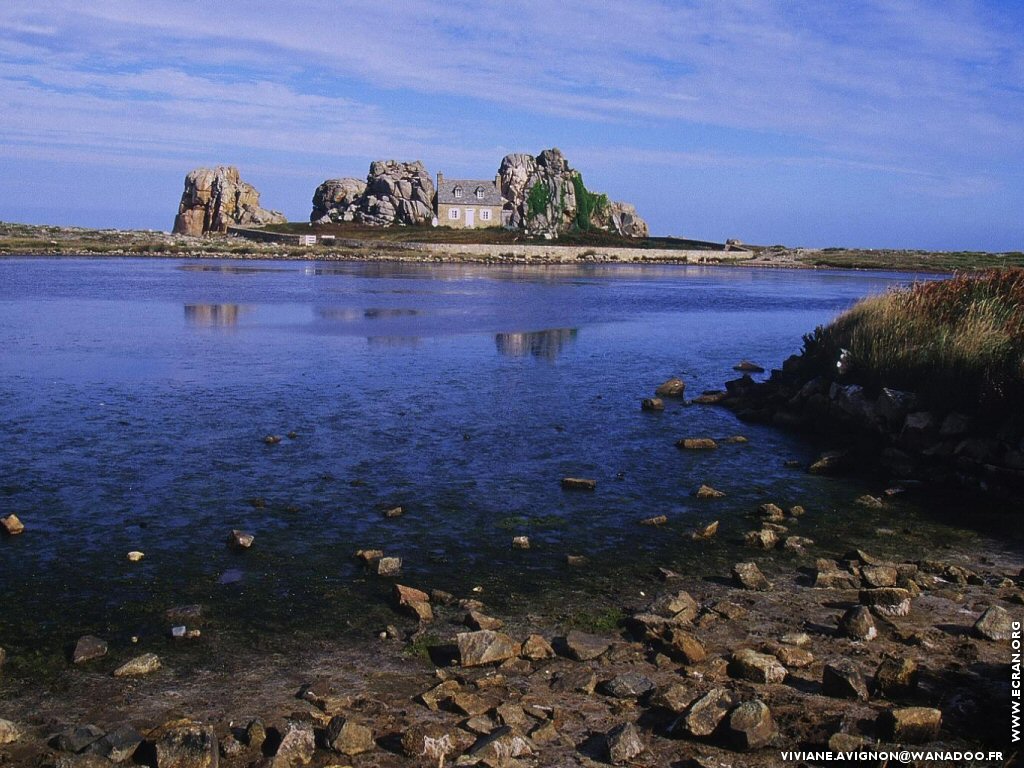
(446, 192)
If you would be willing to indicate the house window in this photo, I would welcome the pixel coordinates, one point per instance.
(458, 191)
(479, 193)
(453, 213)
(485, 214)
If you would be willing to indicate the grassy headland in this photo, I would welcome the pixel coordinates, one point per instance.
(959, 340)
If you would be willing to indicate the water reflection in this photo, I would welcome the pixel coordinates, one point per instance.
(393, 341)
(213, 315)
(547, 344)
(346, 314)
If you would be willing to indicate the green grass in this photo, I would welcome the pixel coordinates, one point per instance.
(601, 622)
(909, 261)
(957, 342)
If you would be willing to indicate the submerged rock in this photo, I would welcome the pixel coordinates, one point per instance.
(389, 566)
(241, 539)
(652, 404)
(707, 492)
(696, 444)
(11, 525)
(674, 387)
(705, 532)
(578, 484)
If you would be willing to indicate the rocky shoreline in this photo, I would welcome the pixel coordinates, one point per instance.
(812, 653)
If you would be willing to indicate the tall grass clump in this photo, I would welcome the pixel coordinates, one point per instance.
(957, 342)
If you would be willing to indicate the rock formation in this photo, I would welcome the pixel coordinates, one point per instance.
(394, 193)
(215, 198)
(547, 197)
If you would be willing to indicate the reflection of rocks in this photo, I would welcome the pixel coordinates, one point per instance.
(393, 341)
(213, 315)
(547, 344)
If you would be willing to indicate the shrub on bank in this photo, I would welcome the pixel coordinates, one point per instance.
(957, 342)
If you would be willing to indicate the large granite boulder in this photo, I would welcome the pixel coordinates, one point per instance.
(545, 196)
(215, 198)
(337, 200)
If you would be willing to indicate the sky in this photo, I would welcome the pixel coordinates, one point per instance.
(869, 124)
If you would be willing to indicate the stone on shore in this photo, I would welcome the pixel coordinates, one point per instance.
(12, 525)
(878, 576)
(696, 444)
(745, 366)
(500, 747)
(652, 404)
(674, 387)
(9, 732)
(118, 745)
(76, 738)
(187, 746)
(537, 648)
(347, 737)
(685, 646)
(485, 647)
(843, 680)
(673, 697)
(88, 648)
(792, 656)
(911, 725)
(707, 712)
(584, 647)
(241, 539)
(887, 601)
(297, 746)
(896, 677)
(578, 484)
(682, 606)
(771, 513)
(750, 726)
(628, 685)
(216, 198)
(477, 620)
(749, 576)
(434, 743)
(858, 624)
(623, 743)
(748, 664)
(389, 566)
(994, 624)
(762, 539)
(140, 665)
(414, 602)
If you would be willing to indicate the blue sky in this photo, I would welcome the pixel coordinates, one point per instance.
(868, 124)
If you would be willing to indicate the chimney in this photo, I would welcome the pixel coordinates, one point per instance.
(440, 180)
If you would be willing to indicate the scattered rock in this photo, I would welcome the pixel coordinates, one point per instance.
(652, 404)
(696, 444)
(799, 639)
(9, 732)
(391, 514)
(77, 738)
(685, 646)
(347, 737)
(12, 525)
(389, 566)
(477, 620)
(500, 746)
(187, 746)
(629, 685)
(707, 712)
(871, 502)
(255, 733)
(520, 542)
(749, 576)
(673, 697)
(771, 512)
(791, 656)
(843, 680)
(750, 726)
(297, 746)
(578, 484)
(88, 648)
(762, 539)
(241, 539)
(575, 560)
(118, 745)
(656, 520)
(272, 439)
(994, 624)
(747, 664)
(911, 725)
(887, 601)
(576, 680)
(710, 397)
(829, 463)
(674, 387)
(485, 647)
(369, 555)
(878, 576)
(584, 647)
(135, 556)
(434, 743)
(140, 665)
(858, 624)
(623, 743)
(682, 606)
(796, 543)
(537, 648)
(896, 677)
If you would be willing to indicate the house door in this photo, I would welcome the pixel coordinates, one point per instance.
(470, 213)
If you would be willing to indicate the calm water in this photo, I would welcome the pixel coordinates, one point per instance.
(135, 395)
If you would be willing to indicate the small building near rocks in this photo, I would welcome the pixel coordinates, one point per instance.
(468, 203)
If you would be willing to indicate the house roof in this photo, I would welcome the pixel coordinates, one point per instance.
(446, 192)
